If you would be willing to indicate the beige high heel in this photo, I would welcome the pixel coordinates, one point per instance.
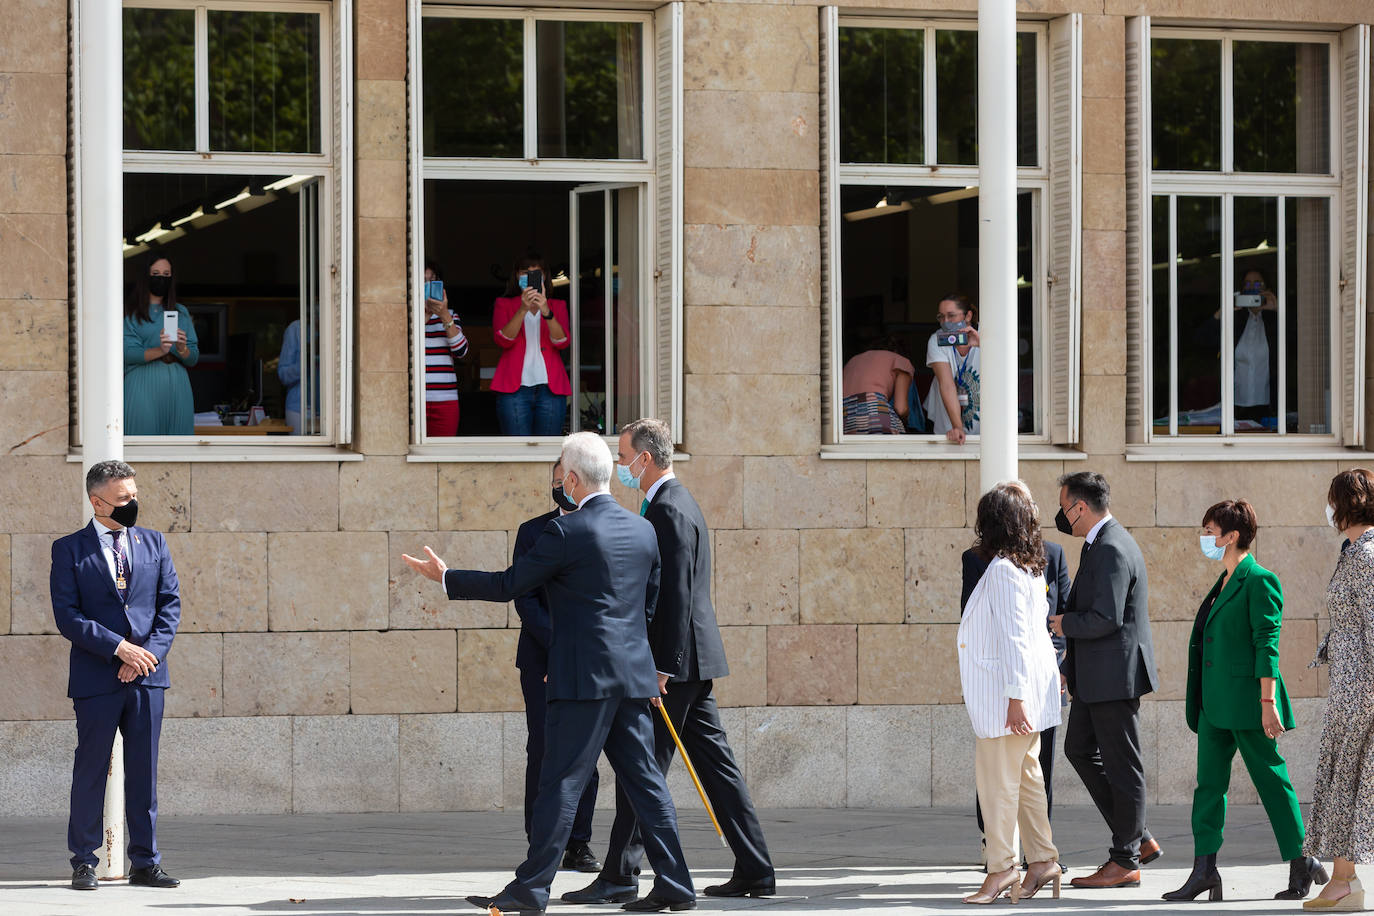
(1051, 875)
(1011, 884)
(1352, 902)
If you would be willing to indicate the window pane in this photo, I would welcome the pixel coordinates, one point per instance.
(1254, 315)
(1185, 102)
(1159, 316)
(159, 79)
(1027, 113)
(956, 97)
(264, 82)
(1198, 327)
(590, 89)
(881, 96)
(1281, 106)
(1307, 319)
(474, 82)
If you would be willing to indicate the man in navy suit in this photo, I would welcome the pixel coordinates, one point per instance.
(532, 658)
(115, 596)
(600, 571)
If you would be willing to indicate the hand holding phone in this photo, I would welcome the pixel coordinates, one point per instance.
(169, 324)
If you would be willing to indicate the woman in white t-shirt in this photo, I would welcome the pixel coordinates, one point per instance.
(953, 401)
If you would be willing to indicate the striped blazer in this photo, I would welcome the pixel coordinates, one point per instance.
(1005, 651)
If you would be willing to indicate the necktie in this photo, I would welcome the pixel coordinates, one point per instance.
(121, 566)
(643, 506)
(1083, 555)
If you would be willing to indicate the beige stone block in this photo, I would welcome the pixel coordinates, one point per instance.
(491, 497)
(765, 48)
(751, 197)
(1303, 559)
(33, 184)
(403, 671)
(812, 665)
(41, 693)
(909, 663)
(344, 764)
(451, 762)
(1258, 10)
(1104, 201)
(382, 188)
(1132, 496)
(5, 584)
(381, 39)
(758, 265)
(752, 415)
(797, 757)
(746, 651)
(724, 340)
(196, 667)
(1104, 341)
(916, 494)
(380, 125)
(333, 581)
(382, 268)
(1171, 657)
(1042, 477)
(223, 579)
(1301, 747)
(1103, 420)
(228, 497)
(1179, 575)
(756, 576)
(717, 484)
(385, 493)
(33, 109)
(487, 679)
(418, 604)
(1104, 141)
(33, 413)
(1284, 493)
(41, 494)
(934, 574)
(33, 333)
(751, 130)
(36, 36)
(31, 602)
(385, 343)
(803, 492)
(951, 746)
(225, 766)
(281, 674)
(1104, 56)
(893, 769)
(852, 576)
(164, 497)
(1298, 641)
(36, 776)
(1104, 273)
(383, 413)
(33, 250)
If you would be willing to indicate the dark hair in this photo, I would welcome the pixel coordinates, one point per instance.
(652, 436)
(1008, 526)
(137, 305)
(1089, 486)
(1234, 515)
(889, 342)
(434, 269)
(103, 472)
(960, 299)
(1351, 494)
(530, 259)
(1264, 280)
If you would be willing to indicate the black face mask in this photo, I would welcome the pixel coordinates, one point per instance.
(158, 284)
(562, 501)
(1061, 521)
(126, 514)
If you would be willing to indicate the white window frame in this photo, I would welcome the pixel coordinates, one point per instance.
(838, 175)
(1227, 184)
(658, 176)
(333, 166)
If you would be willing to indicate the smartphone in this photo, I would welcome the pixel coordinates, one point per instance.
(535, 280)
(951, 338)
(169, 325)
(434, 289)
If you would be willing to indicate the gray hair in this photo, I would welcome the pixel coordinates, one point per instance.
(587, 456)
(653, 436)
(103, 472)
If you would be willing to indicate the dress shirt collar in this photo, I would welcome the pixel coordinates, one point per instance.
(1097, 529)
(592, 495)
(649, 496)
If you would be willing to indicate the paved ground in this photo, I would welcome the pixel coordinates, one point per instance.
(897, 861)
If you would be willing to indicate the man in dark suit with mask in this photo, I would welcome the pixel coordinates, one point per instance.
(599, 568)
(1110, 665)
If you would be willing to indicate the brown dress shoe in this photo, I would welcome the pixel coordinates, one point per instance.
(1110, 875)
(1149, 851)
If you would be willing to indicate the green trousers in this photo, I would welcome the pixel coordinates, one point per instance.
(1215, 749)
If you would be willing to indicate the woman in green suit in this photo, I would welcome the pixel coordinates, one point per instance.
(1237, 701)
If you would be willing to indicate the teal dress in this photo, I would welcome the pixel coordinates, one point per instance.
(157, 394)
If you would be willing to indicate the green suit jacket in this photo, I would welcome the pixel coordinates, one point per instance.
(1236, 646)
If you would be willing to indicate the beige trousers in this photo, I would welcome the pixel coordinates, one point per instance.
(1011, 789)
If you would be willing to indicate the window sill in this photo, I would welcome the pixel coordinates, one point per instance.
(1245, 451)
(499, 451)
(227, 453)
(927, 449)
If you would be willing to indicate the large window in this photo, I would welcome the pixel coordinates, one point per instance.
(1242, 210)
(548, 133)
(230, 178)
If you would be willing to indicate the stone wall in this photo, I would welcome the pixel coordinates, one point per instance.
(314, 673)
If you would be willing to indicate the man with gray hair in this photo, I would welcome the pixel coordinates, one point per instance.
(115, 596)
(599, 569)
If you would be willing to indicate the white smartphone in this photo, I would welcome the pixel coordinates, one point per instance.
(169, 325)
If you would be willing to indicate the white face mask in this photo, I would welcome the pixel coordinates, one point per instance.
(1331, 516)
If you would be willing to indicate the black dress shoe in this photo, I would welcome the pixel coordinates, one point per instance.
(602, 891)
(152, 876)
(578, 857)
(1302, 873)
(744, 887)
(83, 878)
(1204, 877)
(655, 904)
(503, 903)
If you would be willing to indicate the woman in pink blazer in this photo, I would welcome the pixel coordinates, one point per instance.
(531, 384)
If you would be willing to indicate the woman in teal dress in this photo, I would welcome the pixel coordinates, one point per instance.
(157, 390)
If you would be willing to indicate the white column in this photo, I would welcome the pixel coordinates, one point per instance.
(100, 275)
(997, 239)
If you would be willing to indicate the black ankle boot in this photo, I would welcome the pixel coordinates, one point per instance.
(1205, 877)
(1302, 872)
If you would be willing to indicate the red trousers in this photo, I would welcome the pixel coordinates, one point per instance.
(441, 418)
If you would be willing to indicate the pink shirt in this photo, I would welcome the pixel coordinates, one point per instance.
(873, 370)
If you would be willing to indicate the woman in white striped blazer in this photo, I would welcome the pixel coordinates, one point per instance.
(1011, 690)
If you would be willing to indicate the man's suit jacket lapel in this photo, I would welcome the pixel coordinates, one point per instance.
(95, 555)
(1085, 560)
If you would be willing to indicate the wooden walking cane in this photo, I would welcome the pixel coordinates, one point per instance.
(692, 772)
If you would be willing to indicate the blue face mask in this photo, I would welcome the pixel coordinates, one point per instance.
(1210, 550)
(622, 473)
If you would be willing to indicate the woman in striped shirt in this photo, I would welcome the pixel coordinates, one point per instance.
(444, 343)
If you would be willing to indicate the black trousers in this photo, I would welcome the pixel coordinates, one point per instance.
(1103, 744)
(536, 709)
(692, 707)
(1046, 766)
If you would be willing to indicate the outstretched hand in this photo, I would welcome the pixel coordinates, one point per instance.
(431, 567)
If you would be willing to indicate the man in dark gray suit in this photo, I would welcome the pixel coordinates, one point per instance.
(1110, 665)
(688, 654)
